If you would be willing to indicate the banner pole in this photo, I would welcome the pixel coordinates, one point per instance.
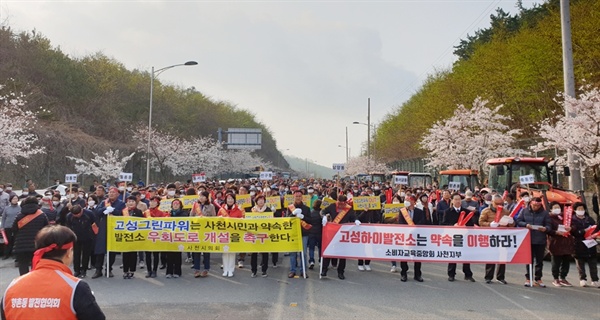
(107, 262)
(320, 266)
(531, 273)
(303, 264)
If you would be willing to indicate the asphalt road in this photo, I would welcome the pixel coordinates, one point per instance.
(377, 294)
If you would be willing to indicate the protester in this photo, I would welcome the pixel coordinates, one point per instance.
(536, 219)
(52, 278)
(174, 258)
(367, 216)
(230, 210)
(450, 218)
(410, 215)
(495, 216)
(25, 227)
(339, 212)
(130, 258)
(8, 218)
(315, 233)
(584, 254)
(299, 210)
(81, 222)
(202, 208)
(260, 206)
(111, 206)
(153, 212)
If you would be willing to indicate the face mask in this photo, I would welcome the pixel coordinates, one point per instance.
(129, 188)
(376, 188)
(81, 196)
(555, 211)
(526, 199)
(71, 196)
(406, 204)
(395, 201)
(8, 189)
(91, 203)
(56, 203)
(1, 190)
(286, 189)
(355, 191)
(121, 189)
(252, 193)
(488, 203)
(171, 193)
(402, 194)
(580, 213)
(311, 190)
(143, 196)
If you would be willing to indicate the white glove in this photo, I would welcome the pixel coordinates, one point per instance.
(109, 210)
(357, 222)
(494, 224)
(324, 221)
(300, 215)
(297, 212)
(506, 220)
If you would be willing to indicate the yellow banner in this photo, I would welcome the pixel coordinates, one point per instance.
(366, 203)
(243, 201)
(274, 202)
(326, 202)
(391, 210)
(188, 201)
(203, 234)
(289, 199)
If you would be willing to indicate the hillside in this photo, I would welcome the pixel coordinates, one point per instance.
(94, 103)
(300, 167)
(516, 62)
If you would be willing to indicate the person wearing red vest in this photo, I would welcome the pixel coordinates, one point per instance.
(229, 210)
(50, 291)
(26, 225)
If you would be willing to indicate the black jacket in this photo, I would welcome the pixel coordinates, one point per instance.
(418, 218)
(539, 218)
(306, 212)
(25, 236)
(451, 216)
(82, 225)
(578, 227)
(370, 216)
(316, 221)
(331, 210)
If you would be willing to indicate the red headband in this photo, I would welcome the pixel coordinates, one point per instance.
(39, 253)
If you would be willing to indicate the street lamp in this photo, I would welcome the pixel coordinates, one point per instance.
(368, 124)
(153, 75)
(347, 151)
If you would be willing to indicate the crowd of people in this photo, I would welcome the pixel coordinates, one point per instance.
(85, 213)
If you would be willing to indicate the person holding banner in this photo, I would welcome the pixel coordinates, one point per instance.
(202, 208)
(260, 206)
(111, 206)
(153, 212)
(452, 217)
(315, 234)
(174, 258)
(496, 216)
(536, 219)
(299, 210)
(584, 229)
(229, 210)
(80, 221)
(367, 216)
(130, 258)
(561, 243)
(410, 215)
(339, 212)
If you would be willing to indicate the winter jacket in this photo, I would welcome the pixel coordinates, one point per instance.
(539, 218)
(306, 212)
(207, 210)
(488, 215)
(25, 236)
(559, 245)
(10, 214)
(370, 216)
(451, 216)
(578, 227)
(82, 225)
(315, 221)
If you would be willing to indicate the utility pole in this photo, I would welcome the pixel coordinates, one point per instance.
(575, 181)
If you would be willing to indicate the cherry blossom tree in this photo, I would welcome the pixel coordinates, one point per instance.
(105, 166)
(16, 124)
(469, 138)
(362, 164)
(241, 161)
(580, 133)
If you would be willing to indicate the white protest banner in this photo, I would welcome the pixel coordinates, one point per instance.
(454, 185)
(71, 178)
(125, 177)
(422, 243)
(527, 179)
(339, 167)
(199, 177)
(401, 180)
(266, 175)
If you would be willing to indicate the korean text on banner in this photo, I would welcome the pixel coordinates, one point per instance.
(274, 202)
(243, 201)
(202, 234)
(366, 203)
(433, 244)
(391, 210)
(187, 201)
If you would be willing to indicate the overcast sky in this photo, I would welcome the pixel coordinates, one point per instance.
(304, 68)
